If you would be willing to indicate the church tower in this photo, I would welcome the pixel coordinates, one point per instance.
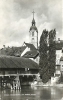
(33, 33)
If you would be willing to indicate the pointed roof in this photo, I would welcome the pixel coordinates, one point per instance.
(31, 46)
(33, 27)
(33, 21)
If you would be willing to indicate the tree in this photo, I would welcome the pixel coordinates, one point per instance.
(47, 51)
(43, 62)
(52, 52)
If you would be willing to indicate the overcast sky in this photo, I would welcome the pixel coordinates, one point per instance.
(16, 17)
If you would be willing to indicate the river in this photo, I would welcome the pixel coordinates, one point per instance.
(32, 93)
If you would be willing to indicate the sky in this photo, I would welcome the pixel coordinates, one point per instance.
(16, 17)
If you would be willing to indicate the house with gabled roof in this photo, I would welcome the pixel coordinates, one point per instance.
(30, 52)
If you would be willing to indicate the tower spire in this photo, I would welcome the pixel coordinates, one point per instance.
(33, 14)
(34, 32)
(33, 20)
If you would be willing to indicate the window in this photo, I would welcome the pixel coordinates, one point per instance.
(32, 38)
(32, 33)
(26, 69)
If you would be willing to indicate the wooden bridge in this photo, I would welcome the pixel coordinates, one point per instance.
(14, 83)
(18, 75)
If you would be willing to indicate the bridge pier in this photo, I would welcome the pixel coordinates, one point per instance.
(14, 81)
(16, 84)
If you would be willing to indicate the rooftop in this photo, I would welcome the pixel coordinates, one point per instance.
(31, 54)
(17, 62)
(59, 44)
(13, 51)
(31, 46)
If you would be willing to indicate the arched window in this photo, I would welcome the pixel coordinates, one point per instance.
(32, 33)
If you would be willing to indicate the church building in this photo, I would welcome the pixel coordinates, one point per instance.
(31, 51)
(33, 33)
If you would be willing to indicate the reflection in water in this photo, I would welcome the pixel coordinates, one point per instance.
(45, 94)
(32, 93)
(56, 93)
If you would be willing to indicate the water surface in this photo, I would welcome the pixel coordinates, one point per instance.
(32, 93)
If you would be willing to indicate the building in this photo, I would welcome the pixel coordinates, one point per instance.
(61, 63)
(27, 50)
(33, 33)
(17, 70)
(61, 66)
(58, 75)
(59, 46)
(30, 52)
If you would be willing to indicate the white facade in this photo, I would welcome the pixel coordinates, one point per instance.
(33, 38)
(61, 64)
(27, 49)
(58, 64)
(54, 80)
(58, 56)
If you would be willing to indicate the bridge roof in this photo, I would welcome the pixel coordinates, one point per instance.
(17, 62)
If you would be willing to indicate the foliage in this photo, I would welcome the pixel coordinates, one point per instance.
(52, 52)
(47, 52)
(43, 63)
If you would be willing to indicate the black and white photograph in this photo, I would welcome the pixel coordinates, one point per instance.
(31, 49)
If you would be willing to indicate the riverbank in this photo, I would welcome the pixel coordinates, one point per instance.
(46, 85)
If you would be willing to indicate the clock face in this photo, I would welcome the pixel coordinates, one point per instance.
(33, 30)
